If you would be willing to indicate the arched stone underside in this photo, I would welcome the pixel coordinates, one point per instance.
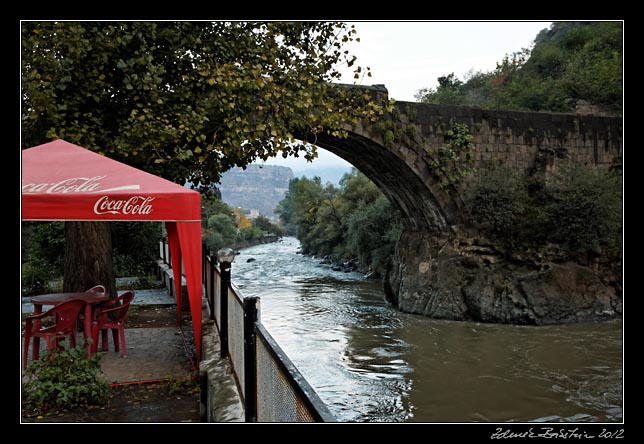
(406, 191)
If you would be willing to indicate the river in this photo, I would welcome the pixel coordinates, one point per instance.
(369, 362)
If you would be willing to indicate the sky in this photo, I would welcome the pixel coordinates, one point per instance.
(408, 56)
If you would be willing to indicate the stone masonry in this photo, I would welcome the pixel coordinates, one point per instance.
(440, 272)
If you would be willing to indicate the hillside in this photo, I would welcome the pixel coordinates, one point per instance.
(573, 67)
(257, 189)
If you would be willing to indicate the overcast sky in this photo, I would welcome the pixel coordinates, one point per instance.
(408, 56)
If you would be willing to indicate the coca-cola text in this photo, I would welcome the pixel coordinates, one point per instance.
(133, 205)
(71, 185)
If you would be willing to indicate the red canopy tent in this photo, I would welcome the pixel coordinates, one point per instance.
(63, 181)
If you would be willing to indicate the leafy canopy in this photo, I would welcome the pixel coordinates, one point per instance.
(187, 100)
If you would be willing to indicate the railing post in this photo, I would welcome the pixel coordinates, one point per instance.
(203, 263)
(250, 359)
(211, 299)
(203, 398)
(224, 268)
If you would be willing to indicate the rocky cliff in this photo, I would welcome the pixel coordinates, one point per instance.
(466, 279)
(258, 188)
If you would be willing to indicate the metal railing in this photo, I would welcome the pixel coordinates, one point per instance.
(271, 387)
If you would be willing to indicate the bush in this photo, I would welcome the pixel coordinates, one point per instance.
(64, 379)
(501, 203)
(579, 210)
(373, 231)
(136, 247)
(135, 250)
(585, 211)
(48, 244)
(215, 241)
(36, 274)
(250, 234)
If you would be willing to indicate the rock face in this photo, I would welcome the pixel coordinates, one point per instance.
(459, 280)
(258, 188)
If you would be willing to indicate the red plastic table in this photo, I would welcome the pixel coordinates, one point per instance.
(56, 298)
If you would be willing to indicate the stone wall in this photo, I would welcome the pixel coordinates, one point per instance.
(526, 142)
(520, 139)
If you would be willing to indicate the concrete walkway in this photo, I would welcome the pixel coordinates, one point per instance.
(155, 351)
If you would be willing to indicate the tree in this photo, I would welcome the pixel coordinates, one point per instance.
(266, 226)
(355, 221)
(182, 100)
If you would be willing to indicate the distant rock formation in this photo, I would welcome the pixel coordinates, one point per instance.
(257, 189)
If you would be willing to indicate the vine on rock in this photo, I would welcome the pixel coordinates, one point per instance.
(453, 161)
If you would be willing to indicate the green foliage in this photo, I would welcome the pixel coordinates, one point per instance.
(188, 100)
(35, 276)
(44, 259)
(354, 221)
(135, 247)
(500, 201)
(390, 128)
(571, 61)
(372, 234)
(48, 244)
(221, 231)
(450, 91)
(64, 379)
(579, 210)
(284, 210)
(266, 226)
(585, 211)
(250, 234)
(453, 161)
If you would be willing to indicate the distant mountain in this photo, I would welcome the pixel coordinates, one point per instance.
(258, 189)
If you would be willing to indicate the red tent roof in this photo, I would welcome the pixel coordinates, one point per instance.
(63, 181)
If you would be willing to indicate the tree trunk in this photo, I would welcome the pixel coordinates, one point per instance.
(88, 257)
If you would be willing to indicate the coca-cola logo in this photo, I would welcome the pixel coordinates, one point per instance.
(71, 185)
(74, 185)
(137, 205)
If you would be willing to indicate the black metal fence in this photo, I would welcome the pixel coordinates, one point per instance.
(271, 387)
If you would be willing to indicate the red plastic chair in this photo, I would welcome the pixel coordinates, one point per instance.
(111, 317)
(96, 289)
(65, 316)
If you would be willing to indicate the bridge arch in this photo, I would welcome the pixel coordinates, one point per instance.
(421, 210)
(448, 273)
(525, 142)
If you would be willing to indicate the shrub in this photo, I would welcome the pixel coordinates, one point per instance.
(579, 210)
(136, 247)
(249, 234)
(64, 379)
(585, 211)
(36, 274)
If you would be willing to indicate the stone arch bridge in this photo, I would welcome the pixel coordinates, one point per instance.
(437, 272)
